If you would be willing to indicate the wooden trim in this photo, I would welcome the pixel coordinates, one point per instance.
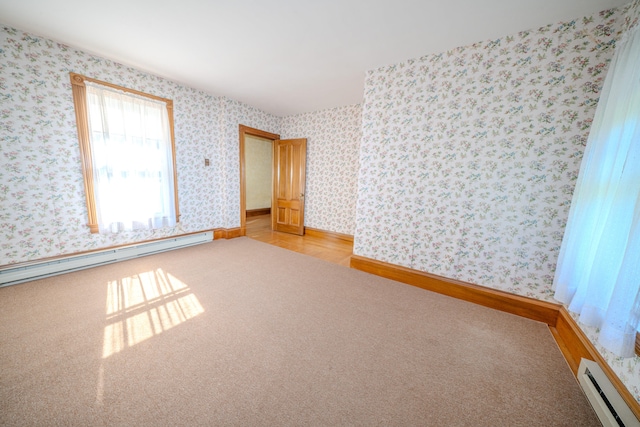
(530, 308)
(565, 350)
(330, 235)
(575, 345)
(173, 158)
(232, 233)
(79, 91)
(106, 248)
(80, 79)
(242, 131)
(571, 340)
(227, 233)
(259, 133)
(274, 184)
(243, 180)
(82, 123)
(257, 212)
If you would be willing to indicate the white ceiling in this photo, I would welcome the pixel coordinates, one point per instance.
(282, 56)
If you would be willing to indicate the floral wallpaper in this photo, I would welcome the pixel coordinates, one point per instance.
(236, 113)
(462, 163)
(627, 369)
(469, 157)
(42, 201)
(333, 141)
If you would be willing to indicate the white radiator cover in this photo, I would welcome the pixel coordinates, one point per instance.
(597, 387)
(39, 270)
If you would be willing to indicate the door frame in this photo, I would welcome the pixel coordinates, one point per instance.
(243, 131)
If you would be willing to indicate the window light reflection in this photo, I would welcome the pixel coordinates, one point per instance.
(144, 305)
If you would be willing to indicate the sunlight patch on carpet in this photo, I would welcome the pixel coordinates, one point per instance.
(144, 305)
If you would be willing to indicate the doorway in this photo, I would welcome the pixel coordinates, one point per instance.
(288, 181)
(258, 157)
(245, 134)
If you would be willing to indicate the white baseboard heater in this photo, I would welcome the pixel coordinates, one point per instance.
(38, 270)
(603, 396)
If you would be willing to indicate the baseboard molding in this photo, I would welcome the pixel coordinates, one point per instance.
(227, 233)
(504, 301)
(575, 345)
(105, 248)
(322, 234)
(257, 212)
(572, 342)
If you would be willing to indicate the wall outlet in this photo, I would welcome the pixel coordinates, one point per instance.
(206, 162)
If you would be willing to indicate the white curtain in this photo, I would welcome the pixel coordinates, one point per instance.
(132, 160)
(598, 271)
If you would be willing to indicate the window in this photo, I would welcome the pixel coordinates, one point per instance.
(598, 272)
(128, 157)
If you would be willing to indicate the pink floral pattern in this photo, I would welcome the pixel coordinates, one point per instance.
(466, 167)
(42, 202)
(469, 157)
(236, 113)
(333, 142)
(627, 369)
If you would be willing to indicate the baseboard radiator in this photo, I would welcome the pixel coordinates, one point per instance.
(39, 270)
(603, 396)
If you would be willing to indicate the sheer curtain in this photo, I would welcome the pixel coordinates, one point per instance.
(598, 271)
(132, 160)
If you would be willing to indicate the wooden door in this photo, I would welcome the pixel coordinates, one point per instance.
(289, 165)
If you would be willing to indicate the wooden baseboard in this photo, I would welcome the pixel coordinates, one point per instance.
(327, 234)
(257, 212)
(530, 308)
(573, 343)
(227, 233)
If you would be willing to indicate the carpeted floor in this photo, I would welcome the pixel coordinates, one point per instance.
(237, 332)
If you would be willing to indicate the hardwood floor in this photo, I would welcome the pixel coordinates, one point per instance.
(336, 251)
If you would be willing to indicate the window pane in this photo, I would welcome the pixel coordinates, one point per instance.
(132, 160)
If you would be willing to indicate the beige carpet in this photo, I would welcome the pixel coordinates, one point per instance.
(237, 332)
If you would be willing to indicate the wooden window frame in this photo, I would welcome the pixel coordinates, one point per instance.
(82, 122)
